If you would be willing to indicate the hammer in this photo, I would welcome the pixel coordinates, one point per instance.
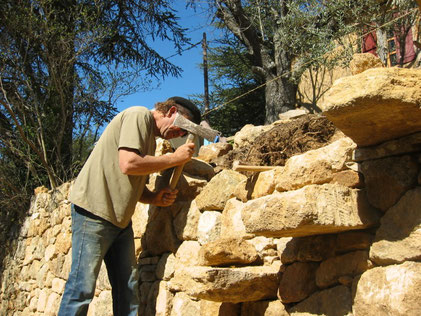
(192, 129)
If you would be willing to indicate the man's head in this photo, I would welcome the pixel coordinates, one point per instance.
(168, 109)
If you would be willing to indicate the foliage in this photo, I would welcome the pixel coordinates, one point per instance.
(63, 65)
(281, 39)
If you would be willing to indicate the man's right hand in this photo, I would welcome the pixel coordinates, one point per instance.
(184, 153)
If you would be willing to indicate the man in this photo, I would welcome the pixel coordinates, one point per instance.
(104, 197)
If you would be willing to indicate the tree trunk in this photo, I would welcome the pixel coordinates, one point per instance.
(280, 97)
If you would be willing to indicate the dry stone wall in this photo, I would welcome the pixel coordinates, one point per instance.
(333, 232)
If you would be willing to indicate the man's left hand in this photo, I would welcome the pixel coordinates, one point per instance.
(165, 197)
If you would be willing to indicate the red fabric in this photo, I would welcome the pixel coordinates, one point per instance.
(409, 48)
(370, 43)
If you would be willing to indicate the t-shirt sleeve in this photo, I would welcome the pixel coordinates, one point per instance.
(135, 130)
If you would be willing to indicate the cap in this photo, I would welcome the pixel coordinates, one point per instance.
(190, 106)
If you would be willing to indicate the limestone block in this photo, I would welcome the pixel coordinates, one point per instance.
(391, 290)
(401, 146)
(351, 241)
(377, 105)
(58, 285)
(140, 219)
(164, 300)
(147, 273)
(243, 190)
(184, 306)
(336, 301)
(210, 152)
(188, 253)
(189, 187)
(50, 252)
(199, 168)
(350, 264)
(53, 304)
(42, 300)
(159, 236)
(311, 210)
(228, 285)
(362, 62)
(166, 267)
(231, 222)
(292, 114)
(209, 308)
(349, 178)
(265, 184)
(219, 190)
(311, 248)
(101, 305)
(398, 238)
(297, 282)
(227, 251)
(388, 179)
(209, 226)
(247, 135)
(63, 243)
(314, 166)
(263, 308)
(186, 221)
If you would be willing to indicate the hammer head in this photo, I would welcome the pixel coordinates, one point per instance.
(205, 132)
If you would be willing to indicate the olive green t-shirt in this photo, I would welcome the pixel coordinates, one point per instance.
(101, 188)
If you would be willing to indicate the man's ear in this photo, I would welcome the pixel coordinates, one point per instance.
(172, 111)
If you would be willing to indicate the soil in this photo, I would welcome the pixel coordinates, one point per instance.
(284, 140)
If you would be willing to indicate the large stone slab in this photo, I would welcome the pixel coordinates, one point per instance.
(298, 282)
(336, 301)
(228, 285)
(404, 145)
(219, 190)
(332, 270)
(377, 105)
(398, 238)
(227, 251)
(312, 210)
(392, 290)
(314, 166)
(387, 179)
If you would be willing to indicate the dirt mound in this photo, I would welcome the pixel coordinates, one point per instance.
(284, 140)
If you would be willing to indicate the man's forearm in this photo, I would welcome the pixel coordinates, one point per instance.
(132, 163)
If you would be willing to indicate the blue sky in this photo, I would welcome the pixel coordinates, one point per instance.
(191, 80)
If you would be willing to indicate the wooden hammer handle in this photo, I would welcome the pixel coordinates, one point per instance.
(179, 169)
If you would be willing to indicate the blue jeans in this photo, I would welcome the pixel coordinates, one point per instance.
(93, 240)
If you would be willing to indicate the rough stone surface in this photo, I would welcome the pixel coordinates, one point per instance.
(231, 222)
(227, 251)
(314, 166)
(312, 248)
(210, 152)
(228, 285)
(336, 301)
(362, 62)
(388, 179)
(398, 238)
(401, 146)
(392, 290)
(219, 190)
(248, 134)
(362, 106)
(348, 265)
(209, 226)
(312, 210)
(263, 308)
(298, 282)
